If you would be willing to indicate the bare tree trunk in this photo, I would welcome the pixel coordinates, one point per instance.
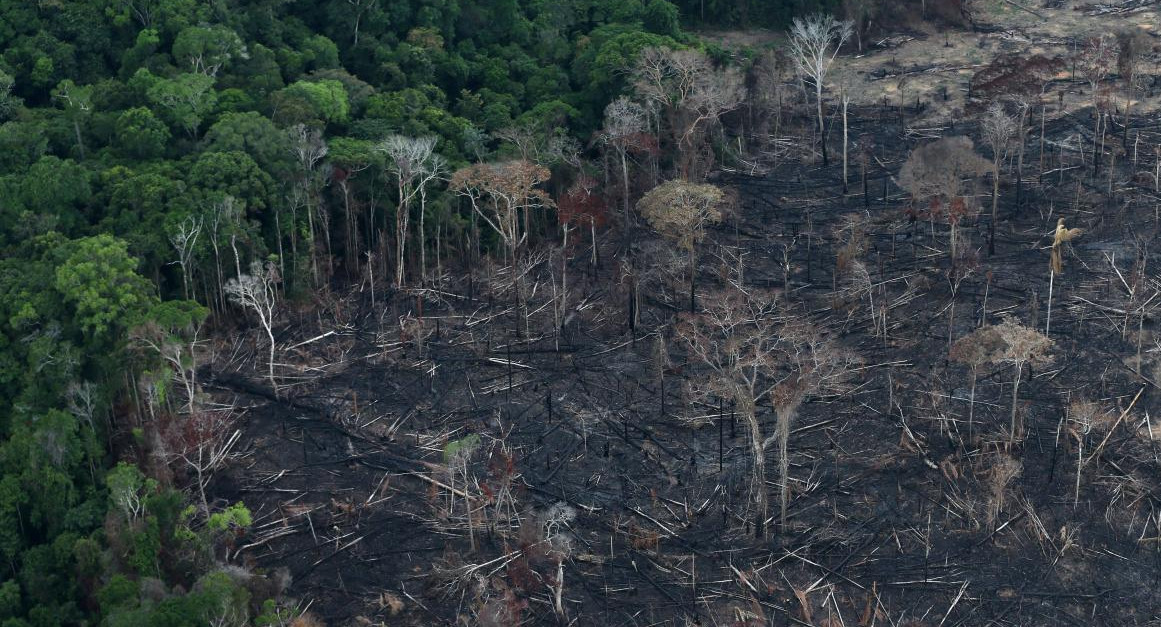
(821, 125)
(785, 415)
(972, 400)
(1020, 159)
(625, 183)
(759, 488)
(846, 101)
(1015, 392)
(422, 235)
(80, 141)
(401, 218)
(1042, 113)
(995, 202)
(313, 239)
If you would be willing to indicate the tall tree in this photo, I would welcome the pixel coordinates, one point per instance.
(500, 193)
(413, 164)
(625, 122)
(998, 129)
(680, 211)
(255, 291)
(814, 43)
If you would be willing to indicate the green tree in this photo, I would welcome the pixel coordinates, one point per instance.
(208, 49)
(140, 135)
(255, 135)
(186, 100)
(100, 280)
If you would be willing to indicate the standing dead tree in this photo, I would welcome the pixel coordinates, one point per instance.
(581, 207)
(752, 348)
(1022, 79)
(625, 125)
(693, 95)
(1132, 46)
(184, 238)
(1021, 346)
(998, 129)
(1095, 61)
(414, 165)
(814, 43)
(203, 441)
(256, 291)
(500, 193)
(309, 148)
(171, 332)
(975, 350)
(680, 211)
(734, 336)
(807, 365)
(1056, 264)
(937, 174)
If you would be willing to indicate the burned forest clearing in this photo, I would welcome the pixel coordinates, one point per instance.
(916, 385)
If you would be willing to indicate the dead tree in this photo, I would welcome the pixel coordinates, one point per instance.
(203, 441)
(734, 336)
(1020, 346)
(692, 93)
(171, 333)
(937, 175)
(1022, 79)
(1132, 46)
(753, 347)
(814, 43)
(184, 237)
(1060, 237)
(500, 193)
(582, 207)
(998, 129)
(1095, 62)
(975, 350)
(808, 365)
(309, 148)
(680, 211)
(414, 165)
(255, 291)
(625, 123)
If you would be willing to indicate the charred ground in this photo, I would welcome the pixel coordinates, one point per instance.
(588, 450)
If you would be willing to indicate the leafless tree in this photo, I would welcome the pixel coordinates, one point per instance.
(974, 351)
(734, 337)
(204, 441)
(255, 291)
(693, 94)
(224, 218)
(184, 237)
(177, 345)
(625, 122)
(1096, 60)
(309, 149)
(752, 348)
(998, 129)
(1132, 47)
(814, 43)
(414, 165)
(680, 211)
(360, 7)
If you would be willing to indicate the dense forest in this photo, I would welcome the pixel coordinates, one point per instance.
(207, 207)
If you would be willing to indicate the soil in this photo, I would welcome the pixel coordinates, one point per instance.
(589, 452)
